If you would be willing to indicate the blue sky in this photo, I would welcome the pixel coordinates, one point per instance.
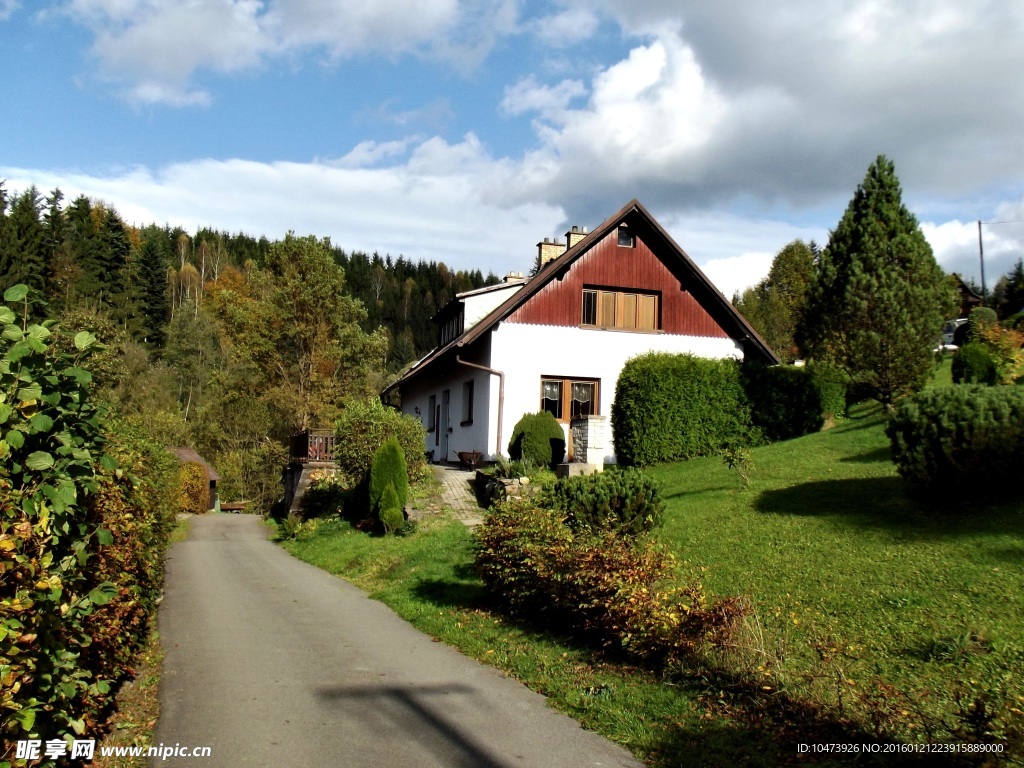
(468, 131)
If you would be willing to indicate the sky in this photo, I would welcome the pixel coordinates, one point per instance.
(466, 131)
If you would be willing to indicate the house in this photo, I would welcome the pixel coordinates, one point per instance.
(558, 340)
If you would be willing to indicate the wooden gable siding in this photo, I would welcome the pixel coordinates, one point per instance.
(607, 265)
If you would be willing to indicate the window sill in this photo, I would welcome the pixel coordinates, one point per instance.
(466, 423)
(619, 330)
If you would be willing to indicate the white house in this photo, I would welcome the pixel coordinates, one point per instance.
(558, 340)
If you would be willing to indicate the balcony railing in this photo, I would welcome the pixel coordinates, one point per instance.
(312, 445)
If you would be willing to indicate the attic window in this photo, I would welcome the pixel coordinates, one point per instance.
(626, 238)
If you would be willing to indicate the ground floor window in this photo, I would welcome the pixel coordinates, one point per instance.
(567, 398)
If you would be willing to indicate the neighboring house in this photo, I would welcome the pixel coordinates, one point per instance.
(191, 456)
(558, 340)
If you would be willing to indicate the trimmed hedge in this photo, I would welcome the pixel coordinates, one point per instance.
(962, 441)
(974, 364)
(670, 407)
(538, 438)
(786, 401)
(626, 502)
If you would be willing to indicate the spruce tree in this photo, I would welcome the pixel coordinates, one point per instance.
(155, 307)
(878, 299)
(23, 250)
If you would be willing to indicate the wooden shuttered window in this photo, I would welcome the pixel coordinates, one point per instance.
(628, 310)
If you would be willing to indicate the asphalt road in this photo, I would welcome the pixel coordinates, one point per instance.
(271, 662)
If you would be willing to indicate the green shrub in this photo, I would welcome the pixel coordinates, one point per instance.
(626, 502)
(670, 407)
(71, 521)
(785, 400)
(961, 441)
(622, 593)
(363, 427)
(391, 511)
(389, 469)
(325, 496)
(978, 320)
(193, 489)
(974, 364)
(538, 438)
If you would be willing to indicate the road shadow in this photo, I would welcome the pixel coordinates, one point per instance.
(421, 713)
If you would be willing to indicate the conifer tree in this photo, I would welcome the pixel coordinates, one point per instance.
(23, 249)
(154, 305)
(878, 299)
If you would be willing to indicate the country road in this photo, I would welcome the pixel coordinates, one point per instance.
(271, 662)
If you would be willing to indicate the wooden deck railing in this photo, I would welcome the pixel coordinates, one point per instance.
(312, 445)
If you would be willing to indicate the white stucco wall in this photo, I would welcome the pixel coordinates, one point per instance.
(527, 353)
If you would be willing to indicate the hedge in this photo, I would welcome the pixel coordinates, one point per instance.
(671, 407)
(786, 401)
(84, 519)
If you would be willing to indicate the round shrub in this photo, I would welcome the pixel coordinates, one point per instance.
(978, 320)
(625, 502)
(974, 364)
(538, 437)
(670, 407)
(960, 441)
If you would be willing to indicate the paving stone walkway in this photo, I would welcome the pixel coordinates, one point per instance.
(457, 493)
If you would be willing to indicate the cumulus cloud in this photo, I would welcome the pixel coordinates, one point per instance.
(788, 107)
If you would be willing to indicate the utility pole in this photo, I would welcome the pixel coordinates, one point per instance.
(981, 255)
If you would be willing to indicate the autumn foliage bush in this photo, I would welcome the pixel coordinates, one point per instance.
(625, 594)
(84, 519)
(193, 488)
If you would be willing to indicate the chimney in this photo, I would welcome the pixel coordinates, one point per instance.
(513, 277)
(574, 235)
(549, 250)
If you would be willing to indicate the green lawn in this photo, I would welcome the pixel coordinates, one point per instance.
(860, 594)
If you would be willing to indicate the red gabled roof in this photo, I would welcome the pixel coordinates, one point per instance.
(639, 219)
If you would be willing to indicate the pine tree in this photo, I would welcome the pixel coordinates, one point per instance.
(23, 250)
(154, 305)
(878, 299)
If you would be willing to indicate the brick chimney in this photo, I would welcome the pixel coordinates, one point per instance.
(574, 235)
(548, 250)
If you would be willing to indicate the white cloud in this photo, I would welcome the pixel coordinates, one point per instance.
(158, 47)
(550, 101)
(369, 153)
(568, 27)
(956, 247)
(423, 215)
(7, 8)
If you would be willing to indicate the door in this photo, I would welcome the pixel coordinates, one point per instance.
(446, 429)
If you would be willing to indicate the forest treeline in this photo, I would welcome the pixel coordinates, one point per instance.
(82, 255)
(226, 343)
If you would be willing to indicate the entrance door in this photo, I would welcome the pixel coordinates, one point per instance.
(446, 429)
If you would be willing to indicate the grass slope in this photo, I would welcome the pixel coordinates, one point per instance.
(870, 609)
